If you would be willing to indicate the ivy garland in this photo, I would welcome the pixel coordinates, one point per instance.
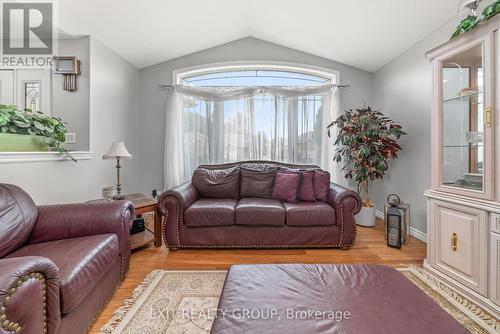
(471, 21)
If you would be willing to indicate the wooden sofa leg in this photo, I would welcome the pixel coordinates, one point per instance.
(173, 249)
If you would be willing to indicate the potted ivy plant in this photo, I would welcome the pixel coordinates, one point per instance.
(366, 142)
(24, 130)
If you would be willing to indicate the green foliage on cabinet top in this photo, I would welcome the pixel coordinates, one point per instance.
(26, 122)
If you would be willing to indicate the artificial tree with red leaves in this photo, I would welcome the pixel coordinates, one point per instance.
(366, 142)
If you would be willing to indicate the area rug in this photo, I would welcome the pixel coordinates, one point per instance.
(470, 315)
(165, 301)
(174, 302)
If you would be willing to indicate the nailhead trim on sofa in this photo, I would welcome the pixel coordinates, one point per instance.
(342, 220)
(179, 245)
(122, 261)
(14, 326)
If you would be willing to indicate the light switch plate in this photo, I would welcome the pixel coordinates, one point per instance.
(70, 138)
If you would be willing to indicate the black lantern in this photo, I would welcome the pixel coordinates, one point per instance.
(394, 222)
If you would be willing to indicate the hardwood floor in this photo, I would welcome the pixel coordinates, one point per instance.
(370, 247)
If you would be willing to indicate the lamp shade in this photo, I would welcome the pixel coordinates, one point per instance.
(117, 150)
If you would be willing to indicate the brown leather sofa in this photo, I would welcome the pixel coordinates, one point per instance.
(59, 264)
(200, 219)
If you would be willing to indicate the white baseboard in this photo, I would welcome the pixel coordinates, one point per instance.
(379, 214)
(413, 231)
(418, 234)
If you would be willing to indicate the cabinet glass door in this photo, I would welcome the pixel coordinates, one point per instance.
(463, 117)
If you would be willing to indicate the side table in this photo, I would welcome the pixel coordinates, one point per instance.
(143, 204)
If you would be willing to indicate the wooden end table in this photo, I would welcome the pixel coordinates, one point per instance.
(143, 204)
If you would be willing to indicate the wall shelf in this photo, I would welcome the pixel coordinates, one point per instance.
(464, 99)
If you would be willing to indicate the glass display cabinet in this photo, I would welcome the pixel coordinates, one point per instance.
(463, 120)
(463, 204)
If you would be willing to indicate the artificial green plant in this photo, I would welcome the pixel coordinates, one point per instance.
(366, 142)
(51, 129)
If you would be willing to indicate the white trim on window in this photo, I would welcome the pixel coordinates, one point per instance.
(15, 157)
(179, 74)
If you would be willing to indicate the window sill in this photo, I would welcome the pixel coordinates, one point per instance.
(15, 157)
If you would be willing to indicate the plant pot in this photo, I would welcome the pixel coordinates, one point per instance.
(366, 217)
(12, 142)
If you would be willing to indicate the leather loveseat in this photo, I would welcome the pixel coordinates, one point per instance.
(59, 264)
(231, 206)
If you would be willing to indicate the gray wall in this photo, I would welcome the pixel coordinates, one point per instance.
(402, 90)
(73, 107)
(113, 116)
(126, 104)
(153, 100)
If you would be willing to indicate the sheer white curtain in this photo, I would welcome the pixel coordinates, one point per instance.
(217, 125)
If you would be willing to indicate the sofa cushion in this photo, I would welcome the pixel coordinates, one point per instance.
(260, 211)
(306, 188)
(257, 183)
(309, 214)
(210, 212)
(217, 183)
(286, 186)
(321, 184)
(17, 218)
(81, 262)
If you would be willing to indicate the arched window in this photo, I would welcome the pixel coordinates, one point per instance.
(255, 74)
(244, 78)
(273, 125)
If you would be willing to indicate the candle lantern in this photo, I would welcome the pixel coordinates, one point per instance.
(396, 217)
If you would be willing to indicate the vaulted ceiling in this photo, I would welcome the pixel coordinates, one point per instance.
(361, 33)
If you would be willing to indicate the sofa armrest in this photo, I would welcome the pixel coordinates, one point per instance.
(172, 205)
(56, 222)
(29, 295)
(346, 203)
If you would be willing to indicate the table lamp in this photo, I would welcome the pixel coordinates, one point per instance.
(117, 151)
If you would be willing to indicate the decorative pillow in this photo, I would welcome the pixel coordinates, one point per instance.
(321, 185)
(217, 183)
(306, 188)
(286, 186)
(257, 183)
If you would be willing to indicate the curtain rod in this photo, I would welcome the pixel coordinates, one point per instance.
(163, 86)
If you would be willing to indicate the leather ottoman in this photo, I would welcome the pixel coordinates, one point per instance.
(311, 298)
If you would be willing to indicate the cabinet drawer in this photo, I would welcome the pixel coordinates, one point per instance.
(495, 222)
(460, 243)
(495, 268)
